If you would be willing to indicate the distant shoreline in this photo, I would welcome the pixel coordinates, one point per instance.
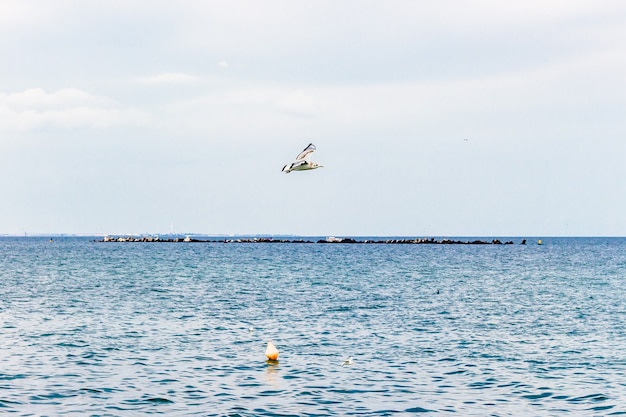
(328, 240)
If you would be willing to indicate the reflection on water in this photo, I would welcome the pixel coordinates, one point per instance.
(272, 376)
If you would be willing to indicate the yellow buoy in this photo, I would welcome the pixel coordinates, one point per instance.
(539, 242)
(271, 352)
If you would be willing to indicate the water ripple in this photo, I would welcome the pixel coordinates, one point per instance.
(180, 330)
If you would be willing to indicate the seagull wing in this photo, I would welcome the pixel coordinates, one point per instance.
(306, 152)
(298, 164)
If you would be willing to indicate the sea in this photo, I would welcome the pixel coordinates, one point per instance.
(180, 329)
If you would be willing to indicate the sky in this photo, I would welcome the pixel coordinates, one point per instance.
(447, 118)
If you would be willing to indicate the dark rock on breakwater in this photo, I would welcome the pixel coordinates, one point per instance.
(328, 240)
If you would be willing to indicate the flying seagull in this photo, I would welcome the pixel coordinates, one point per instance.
(302, 162)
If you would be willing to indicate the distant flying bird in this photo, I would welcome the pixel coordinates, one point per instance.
(302, 162)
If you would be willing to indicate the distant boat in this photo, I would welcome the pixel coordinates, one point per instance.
(302, 162)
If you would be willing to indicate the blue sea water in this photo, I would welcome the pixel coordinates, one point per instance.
(180, 329)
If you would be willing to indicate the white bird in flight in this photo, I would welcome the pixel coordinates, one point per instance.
(302, 162)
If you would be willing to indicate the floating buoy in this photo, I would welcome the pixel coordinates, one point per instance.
(271, 352)
(539, 242)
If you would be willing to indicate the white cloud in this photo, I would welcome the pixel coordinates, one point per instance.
(38, 99)
(66, 108)
(279, 27)
(170, 78)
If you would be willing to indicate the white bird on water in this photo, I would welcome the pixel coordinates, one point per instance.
(302, 162)
(347, 362)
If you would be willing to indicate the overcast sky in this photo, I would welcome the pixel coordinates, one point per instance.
(447, 118)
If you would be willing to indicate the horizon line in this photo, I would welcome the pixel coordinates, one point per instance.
(301, 235)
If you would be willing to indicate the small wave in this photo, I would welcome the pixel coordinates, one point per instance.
(356, 391)
(537, 396)
(92, 390)
(159, 400)
(340, 309)
(418, 410)
(481, 384)
(385, 412)
(602, 407)
(7, 377)
(272, 413)
(460, 371)
(111, 349)
(591, 398)
(77, 344)
(145, 400)
(269, 393)
(8, 403)
(46, 398)
(166, 381)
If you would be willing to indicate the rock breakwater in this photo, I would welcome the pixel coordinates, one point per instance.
(328, 240)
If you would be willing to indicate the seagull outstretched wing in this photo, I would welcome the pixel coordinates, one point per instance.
(306, 152)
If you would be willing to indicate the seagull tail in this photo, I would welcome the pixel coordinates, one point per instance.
(286, 169)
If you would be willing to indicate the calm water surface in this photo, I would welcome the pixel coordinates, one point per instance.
(180, 329)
